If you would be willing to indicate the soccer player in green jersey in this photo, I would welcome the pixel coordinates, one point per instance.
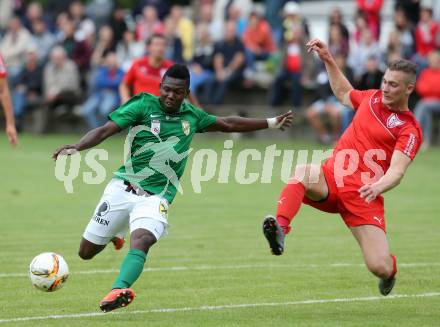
(160, 132)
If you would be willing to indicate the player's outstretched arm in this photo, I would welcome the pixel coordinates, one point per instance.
(393, 176)
(340, 85)
(240, 124)
(5, 101)
(92, 138)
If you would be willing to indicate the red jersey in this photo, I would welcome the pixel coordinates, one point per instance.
(145, 78)
(363, 153)
(3, 72)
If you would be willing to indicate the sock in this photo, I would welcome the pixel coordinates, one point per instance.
(393, 258)
(288, 205)
(131, 268)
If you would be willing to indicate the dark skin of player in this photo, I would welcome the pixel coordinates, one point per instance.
(173, 91)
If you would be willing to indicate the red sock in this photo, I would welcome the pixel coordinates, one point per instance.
(288, 205)
(393, 258)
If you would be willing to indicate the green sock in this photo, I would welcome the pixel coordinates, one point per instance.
(131, 268)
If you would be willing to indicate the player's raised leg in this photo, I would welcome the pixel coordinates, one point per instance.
(307, 180)
(377, 256)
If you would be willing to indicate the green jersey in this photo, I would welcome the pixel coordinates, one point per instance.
(157, 145)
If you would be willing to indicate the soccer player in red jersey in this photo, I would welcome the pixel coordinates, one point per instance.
(370, 158)
(6, 103)
(145, 74)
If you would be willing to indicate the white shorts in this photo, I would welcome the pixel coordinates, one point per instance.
(119, 210)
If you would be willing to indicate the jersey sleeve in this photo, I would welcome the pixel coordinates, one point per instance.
(408, 141)
(204, 120)
(130, 113)
(3, 72)
(357, 96)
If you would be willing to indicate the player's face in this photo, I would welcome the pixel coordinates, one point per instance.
(172, 93)
(395, 88)
(157, 47)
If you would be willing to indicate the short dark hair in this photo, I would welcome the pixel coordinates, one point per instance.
(155, 36)
(178, 71)
(405, 66)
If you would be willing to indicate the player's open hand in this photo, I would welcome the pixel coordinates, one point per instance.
(320, 48)
(369, 192)
(12, 135)
(65, 150)
(285, 120)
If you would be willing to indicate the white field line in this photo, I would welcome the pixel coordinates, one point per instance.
(223, 307)
(233, 267)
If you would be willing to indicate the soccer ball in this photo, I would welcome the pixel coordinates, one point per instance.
(48, 271)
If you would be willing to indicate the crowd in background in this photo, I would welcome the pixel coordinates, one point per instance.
(73, 56)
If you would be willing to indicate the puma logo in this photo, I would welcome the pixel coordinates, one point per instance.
(280, 201)
(378, 219)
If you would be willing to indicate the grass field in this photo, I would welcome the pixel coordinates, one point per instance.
(214, 268)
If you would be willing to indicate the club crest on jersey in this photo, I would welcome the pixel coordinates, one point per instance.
(155, 127)
(186, 127)
(394, 121)
(163, 210)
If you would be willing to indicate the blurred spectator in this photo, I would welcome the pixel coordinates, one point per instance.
(366, 48)
(55, 7)
(105, 97)
(411, 9)
(292, 65)
(42, 39)
(201, 68)
(215, 26)
(82, 56)
(372, 78)
(426, 36)
(82, 24)
(146, 73)
(66, 36)
(234, 14)
(34, 13)
(257, 39)
(118, 24)
(401, 38)
(327, 104)
(13, 46)
(99, 11)
(337, 43)
(221, 11)
(273, 16)
(27, 92)
(229, 61)
(128, 49)
(336, 18)
(149, 24)
(360, 23)
(162, 7)
(371, 8)
(6, 13)
(185, 31)
(429, 92)
(105, 44)
(60, 80)
(174, 50)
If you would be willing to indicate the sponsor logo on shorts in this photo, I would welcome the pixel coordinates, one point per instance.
(163, 210)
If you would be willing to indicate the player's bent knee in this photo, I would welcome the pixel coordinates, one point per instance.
(85, 255)
(142, 239)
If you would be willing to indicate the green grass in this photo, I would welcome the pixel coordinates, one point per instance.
(217, 236)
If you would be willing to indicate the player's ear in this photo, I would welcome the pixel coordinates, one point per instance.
(410, 88)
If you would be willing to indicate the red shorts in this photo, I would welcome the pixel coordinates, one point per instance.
(348, 203)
